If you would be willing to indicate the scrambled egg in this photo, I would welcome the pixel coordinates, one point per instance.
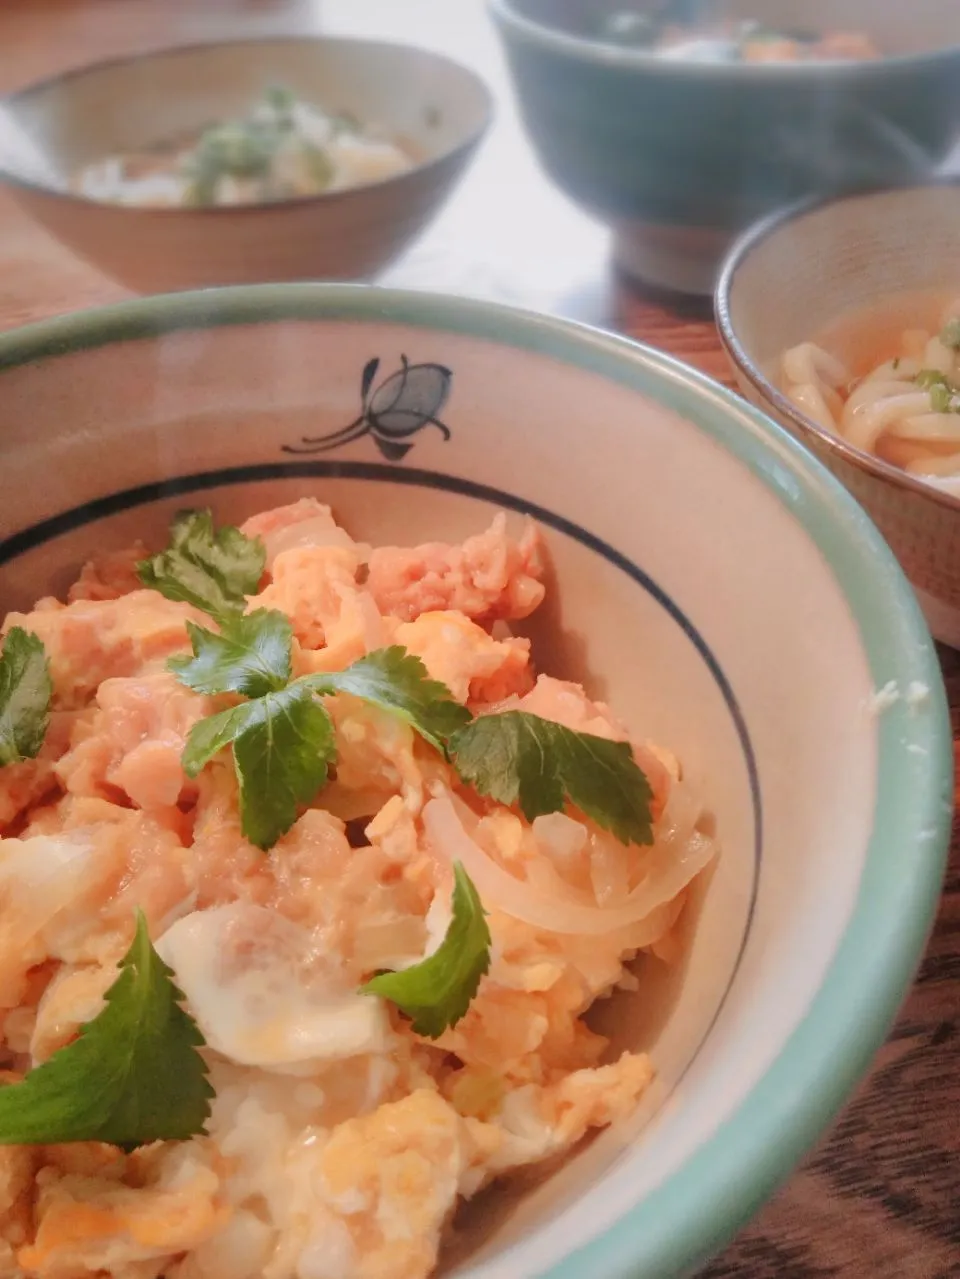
(340, 1142)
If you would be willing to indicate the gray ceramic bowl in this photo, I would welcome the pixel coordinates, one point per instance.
(679, 157)
(51, 129)
(791, 277)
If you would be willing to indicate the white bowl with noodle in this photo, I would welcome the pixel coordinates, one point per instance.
(840, 320)
(705, 576)
(415, 120)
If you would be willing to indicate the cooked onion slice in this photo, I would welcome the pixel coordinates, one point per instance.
(319, 530)
(671, 865)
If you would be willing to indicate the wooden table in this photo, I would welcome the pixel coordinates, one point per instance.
(881, 1195)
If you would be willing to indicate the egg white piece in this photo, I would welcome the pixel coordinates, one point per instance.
(252, 982)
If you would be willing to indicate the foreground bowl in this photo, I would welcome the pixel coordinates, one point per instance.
(678, 157)
(50, 130)
(796, 274)
(712, 580)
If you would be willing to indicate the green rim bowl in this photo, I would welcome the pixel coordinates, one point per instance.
(678, 157)
(741, 607)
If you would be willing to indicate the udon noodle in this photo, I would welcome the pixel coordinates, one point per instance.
(905, 410)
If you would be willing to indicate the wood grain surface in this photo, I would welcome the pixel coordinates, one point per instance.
(881, 1195)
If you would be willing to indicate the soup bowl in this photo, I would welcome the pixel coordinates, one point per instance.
(709, 577)
(680, 156)
(872, 263)
(435, 108)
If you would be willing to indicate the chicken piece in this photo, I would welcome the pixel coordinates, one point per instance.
(50, 888)
(17, 1167)
(135, 740)
(74, 997)
(91, 640)
(108, 576)
(91, 1223)
(101, 864)
(395, 831)
(461, 655)
(362, 911)
(240, 1250)
(392, 1177)
(378, 756)
(303, 524)
(532, 1123)
(566, 703)
(526, 1035)
(224, 866)
(489, 576)
(316, 586)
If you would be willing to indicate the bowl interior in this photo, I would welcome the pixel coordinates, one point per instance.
(421, 98)
(711, 582)
(880, 256)
(923, 27)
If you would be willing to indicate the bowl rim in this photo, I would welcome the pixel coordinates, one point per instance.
(468, 142)
(743, 247)
(604, 54)
(699, 1206)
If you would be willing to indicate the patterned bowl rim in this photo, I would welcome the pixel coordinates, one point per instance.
(607, 54)
(699, 1207)
(742, 249)
(457, 151)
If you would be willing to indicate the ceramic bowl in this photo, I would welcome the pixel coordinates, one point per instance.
(712, 580)
(679, 157)
(796, 274)
(50, 130)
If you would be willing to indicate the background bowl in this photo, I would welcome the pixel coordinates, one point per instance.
(794, 275)
(678, 157)
(440, 108)
(708, 633)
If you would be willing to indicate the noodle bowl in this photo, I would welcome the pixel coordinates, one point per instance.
(904, 408)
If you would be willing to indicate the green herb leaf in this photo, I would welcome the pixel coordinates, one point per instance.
(210, 736)
(927, 379)
(397, 681)
(201, 190)
(516, 757)
(283, 745)
(282, 761)
(319, 166)
(25, 692)
(280, 99)
(941, 389)
(941, 398)
(133, 1076)
(437, 992)
(237, 149)
(213, 570)
(950, 334)
(250, 655)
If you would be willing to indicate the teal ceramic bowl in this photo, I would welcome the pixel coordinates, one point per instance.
(753, 646)
(680, 156)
